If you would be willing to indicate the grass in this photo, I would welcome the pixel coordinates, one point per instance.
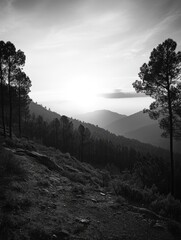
(166, 206)
(10, 165)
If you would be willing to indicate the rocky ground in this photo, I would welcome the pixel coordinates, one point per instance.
(54, 196)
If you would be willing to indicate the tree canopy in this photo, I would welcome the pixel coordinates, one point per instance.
(160, 79)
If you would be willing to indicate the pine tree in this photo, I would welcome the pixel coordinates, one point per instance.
(2, 47)
(159, 79)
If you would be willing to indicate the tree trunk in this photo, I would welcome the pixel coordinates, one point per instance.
(2, 102)
(10, 101)
(171, 145)
(19, 110)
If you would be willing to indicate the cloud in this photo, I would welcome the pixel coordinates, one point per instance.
(118, 93)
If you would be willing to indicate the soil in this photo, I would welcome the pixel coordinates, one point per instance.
(52, 202)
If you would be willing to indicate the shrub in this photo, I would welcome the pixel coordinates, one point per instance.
(75, 177)
(174, 228)
(120, 200)
(134, 193)
(105, 178)
(78, 189)
(168, 206)
(10, 165)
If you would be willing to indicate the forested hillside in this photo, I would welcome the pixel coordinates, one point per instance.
(103, 149)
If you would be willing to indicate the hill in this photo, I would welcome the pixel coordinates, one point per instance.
(38, 109)
(102, 118)
(130, 123)
(140, 127)
(152, 134)
(45, 194)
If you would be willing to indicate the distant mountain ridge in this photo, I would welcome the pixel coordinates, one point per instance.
(102, 118)
(130, 123)
(139, 126)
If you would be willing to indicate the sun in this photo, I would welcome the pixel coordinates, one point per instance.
(81, 94)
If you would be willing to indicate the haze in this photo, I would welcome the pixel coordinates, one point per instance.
(84, 55)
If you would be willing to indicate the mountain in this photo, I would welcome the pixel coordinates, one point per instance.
(102, 118)
(152, 134)
(140, 127)
(129, 123)
(38, 109)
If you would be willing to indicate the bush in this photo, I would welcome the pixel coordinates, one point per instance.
(106, 178)
(75, 177)
(168, 207)
(78, 189)
(17, 143)
(10, 165)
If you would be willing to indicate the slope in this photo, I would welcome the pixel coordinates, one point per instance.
(101, 133)
(49, 195)
(38, 109)
(152, 134)
(130, 123)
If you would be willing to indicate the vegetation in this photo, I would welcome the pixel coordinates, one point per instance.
(125, 173)
(15, 86)
(160, 80)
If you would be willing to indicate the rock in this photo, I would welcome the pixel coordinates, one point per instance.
(43, 159)
(102, 194)
(61, 235)
(159, 225)
(83, 220)
(54, 179)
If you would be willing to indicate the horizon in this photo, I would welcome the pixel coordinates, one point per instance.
(68, 114)
(84, 55)
(115, 108)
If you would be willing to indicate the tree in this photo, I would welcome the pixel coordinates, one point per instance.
(23, 84)
(10, 51)
(159, 79)
(14, 61)
(2, 46)
(56, 124)
(84, 136)
(67, 129)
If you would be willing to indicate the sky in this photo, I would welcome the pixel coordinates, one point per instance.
(84, 55)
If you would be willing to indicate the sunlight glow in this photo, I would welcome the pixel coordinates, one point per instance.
(81, 94)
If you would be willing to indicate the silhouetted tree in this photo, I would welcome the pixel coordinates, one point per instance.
(23, 84)
(159, 80)
(56, 124)
(10, 52)
(67, 129)
(2, 47)
(14, 61)
(84, 137)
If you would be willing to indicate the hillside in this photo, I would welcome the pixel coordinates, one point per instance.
(140, 127)
(152, 134)
(101, 133)
(38, 109)
(102, 118)
(49, 195)
(130, 123)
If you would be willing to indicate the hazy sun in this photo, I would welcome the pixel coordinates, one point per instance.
(81, 94)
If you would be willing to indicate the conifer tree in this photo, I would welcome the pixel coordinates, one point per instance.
(2, 47)
(23, 84)
(159, 79)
